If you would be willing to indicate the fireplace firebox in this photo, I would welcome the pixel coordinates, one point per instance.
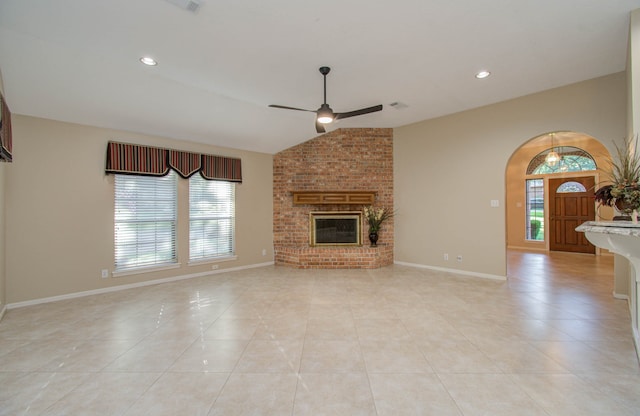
(331, 228)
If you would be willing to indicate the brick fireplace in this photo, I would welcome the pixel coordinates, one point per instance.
(345, 160)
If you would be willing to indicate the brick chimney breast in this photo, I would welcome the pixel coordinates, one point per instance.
(344, 160)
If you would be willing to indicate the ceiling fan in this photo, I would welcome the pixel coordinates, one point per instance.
(325, 114)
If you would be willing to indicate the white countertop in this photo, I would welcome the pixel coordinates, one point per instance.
(611, 227)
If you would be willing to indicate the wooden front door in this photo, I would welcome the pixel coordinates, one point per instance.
(570, 204)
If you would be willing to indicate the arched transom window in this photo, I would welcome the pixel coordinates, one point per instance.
(572, 159)
(571, 187)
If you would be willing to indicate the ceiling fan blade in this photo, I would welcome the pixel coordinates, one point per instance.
(359, 112)
(290, 108)
(320, 128)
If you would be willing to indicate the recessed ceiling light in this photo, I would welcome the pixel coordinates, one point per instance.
(483, 74)
(147, 60)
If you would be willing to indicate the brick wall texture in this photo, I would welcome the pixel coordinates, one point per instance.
(342, 160)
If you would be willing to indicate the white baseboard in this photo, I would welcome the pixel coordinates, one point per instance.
(619, 296)
(636, 341)
(128, 286)
(453, 271)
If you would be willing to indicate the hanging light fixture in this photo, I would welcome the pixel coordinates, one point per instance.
(325, 114)
(552, 158)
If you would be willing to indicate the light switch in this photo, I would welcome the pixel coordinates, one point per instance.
(495, 203)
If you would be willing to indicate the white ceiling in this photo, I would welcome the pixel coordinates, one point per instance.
(220, 68)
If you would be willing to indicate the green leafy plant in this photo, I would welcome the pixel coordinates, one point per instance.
(622, 190)
(375, 217)
(535, 229)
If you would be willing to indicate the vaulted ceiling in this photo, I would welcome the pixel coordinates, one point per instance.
(221, 66)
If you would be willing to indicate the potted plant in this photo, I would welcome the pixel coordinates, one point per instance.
(375, 218)
(623, 189)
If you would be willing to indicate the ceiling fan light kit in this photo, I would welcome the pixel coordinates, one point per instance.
(325, 114)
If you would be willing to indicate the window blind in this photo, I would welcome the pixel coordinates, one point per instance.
(145, 221)
(211, 218)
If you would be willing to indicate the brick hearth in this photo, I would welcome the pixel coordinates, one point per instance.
(343, 160)
(335, 257)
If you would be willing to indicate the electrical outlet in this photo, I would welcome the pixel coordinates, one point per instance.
(264, 251)
(446, 256)
(105, 273)
(459, 258)
(214, 267)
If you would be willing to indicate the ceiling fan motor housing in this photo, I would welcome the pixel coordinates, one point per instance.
(325, 114)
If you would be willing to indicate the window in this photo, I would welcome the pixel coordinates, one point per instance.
(572, 159)
(535, 209)
(145, 221)
(211, 218)
(571, 187)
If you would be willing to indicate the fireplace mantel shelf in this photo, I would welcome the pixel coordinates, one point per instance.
(334, 197)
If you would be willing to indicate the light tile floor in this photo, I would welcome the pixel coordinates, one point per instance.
(277, 341)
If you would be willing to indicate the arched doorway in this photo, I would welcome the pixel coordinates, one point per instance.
(535, 210)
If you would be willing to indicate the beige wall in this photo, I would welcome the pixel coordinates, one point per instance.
(447, 170)
(59, 207)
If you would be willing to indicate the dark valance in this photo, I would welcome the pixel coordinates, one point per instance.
(185, 163)
(136, 159)
(6, 144)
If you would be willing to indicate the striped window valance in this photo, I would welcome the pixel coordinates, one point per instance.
(137, 159)
(6, 144)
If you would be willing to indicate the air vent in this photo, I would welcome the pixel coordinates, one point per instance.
(398, 105)
(190, 5)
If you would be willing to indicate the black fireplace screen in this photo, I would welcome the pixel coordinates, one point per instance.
(335, 229)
